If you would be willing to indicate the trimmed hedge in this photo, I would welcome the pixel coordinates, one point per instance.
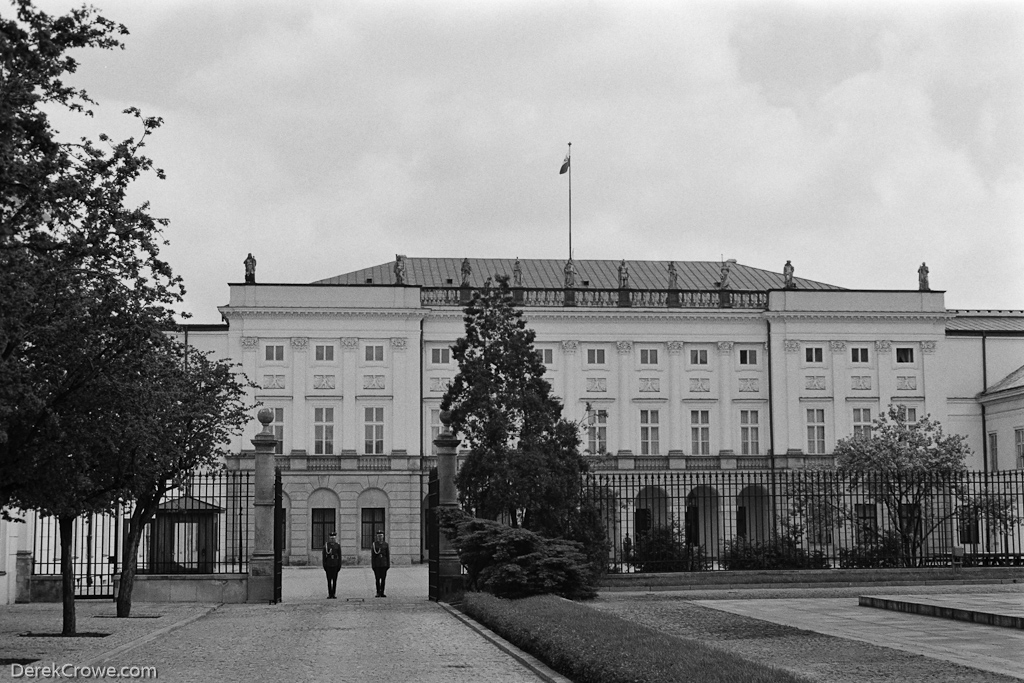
(590, 646)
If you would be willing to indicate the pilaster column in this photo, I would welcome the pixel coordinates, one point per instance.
(402, 393)
(348, 383)
(629, 417)
(793, 377)
(675, 378)
(842, 415)
(299, 389)
(726, 379)
(886, 375)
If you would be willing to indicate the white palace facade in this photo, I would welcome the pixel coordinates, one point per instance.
(665, 366)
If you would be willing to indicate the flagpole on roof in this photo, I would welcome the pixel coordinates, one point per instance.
(567, 167)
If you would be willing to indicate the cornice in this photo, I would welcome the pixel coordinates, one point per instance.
(853, 315)
(240, 313)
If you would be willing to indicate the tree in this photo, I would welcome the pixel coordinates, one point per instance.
(198, 404)
(524, 464)
(916, 473)
(84, 296)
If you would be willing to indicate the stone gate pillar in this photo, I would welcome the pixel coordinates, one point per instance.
(449, 566)
(261, 562)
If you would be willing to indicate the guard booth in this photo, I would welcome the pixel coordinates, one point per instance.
(184, 537)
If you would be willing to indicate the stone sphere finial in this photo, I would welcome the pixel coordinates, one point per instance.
(265, 416)
(446, 418)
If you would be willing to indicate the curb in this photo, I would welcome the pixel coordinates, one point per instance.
(539, 668)
(149, 637)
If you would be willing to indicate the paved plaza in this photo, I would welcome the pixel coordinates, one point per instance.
(405, 637)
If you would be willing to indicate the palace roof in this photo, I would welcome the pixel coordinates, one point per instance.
(590, 273)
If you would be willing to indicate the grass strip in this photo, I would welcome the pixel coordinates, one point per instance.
(590, 646)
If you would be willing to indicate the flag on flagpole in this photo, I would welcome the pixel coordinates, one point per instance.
(565, 164)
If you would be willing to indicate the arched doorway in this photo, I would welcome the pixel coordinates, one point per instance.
(753, 514)
(322, 507)
(701, 524)
(373, 510)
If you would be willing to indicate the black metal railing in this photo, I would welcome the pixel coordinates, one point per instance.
(203, 526)
(608, 298)
(806, 519)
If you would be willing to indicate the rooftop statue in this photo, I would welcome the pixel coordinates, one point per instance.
(922, 278)
(787, 274)
(250, 269)
(623, 275)
(570, 274)
(467, 270)
(673, 276)
(399, 269)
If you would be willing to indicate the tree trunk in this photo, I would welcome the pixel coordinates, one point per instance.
(143, 513)
(67, 573)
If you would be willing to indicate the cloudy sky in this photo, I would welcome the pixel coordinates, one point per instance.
(857, 140)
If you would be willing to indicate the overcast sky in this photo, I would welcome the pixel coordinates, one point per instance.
(857, 140)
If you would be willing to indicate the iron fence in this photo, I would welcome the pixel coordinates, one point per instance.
(807, 519)
(202, 526)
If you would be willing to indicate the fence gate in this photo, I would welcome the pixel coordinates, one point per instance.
(95, 552)
(279, 529)
(433, 537)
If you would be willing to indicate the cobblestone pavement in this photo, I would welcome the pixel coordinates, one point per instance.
(356, 637)
(823, 635)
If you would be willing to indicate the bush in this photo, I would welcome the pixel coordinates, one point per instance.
(663, 550)
(590, 646)
(516, 563)
(778, 552)
(880, 552)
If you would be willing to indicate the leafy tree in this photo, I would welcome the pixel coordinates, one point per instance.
(197, 404)
(916, 472)
(84, 295)
(524, 464)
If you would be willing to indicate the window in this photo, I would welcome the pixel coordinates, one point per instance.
(910, 520)
(595, 356)
(908, 413)
(1018, 442)
(435, 428)
(749, 433)
(323, 525)
(700, 432)
(275, 352)
(748, 357)
(698, 356)
(372, 522)
(969, 528)
(904, 354)
(867, 521)
(323, 431)
(813, 354)
(993, 451)
(861, 423)
(816, 431)
(437, 356)
(546, 356)
(375, 353)
(597, 432)
(859, 354)
(278, 426)
(649, 432)
(373, 423)
(324, 353)
(648, 356)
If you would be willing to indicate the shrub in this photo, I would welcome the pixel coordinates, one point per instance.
(516, 563)
(662, 549)
(590, 646)
(778, 552)
(881, 551)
